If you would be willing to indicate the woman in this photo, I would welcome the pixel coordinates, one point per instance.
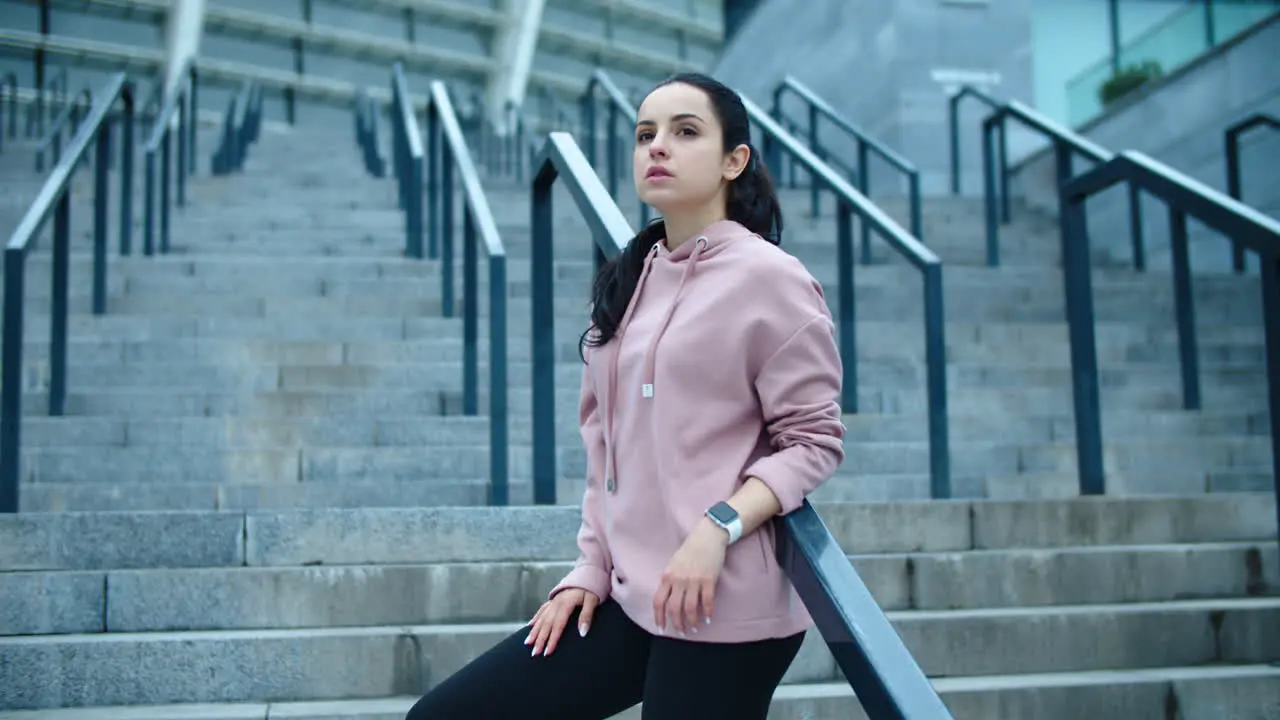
(709, 406)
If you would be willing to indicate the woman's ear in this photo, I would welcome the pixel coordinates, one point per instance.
(735, 163)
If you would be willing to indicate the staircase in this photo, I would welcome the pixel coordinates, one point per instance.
(269, 500)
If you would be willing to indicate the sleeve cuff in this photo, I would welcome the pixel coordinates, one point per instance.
(592, 579)
(774, 474)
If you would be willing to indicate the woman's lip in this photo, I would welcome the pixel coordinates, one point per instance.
(657, 173)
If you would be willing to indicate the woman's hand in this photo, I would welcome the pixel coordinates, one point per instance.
(548, 623)
(686, 594)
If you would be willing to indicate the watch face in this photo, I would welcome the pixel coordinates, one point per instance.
(723, 513)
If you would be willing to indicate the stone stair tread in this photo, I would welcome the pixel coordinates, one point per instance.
(795, 701)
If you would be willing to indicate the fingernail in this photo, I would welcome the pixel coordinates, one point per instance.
(582, 630)
(546, 652)
(661, 630)
(534, 653)
(528, 639)
(693, 630)
(707, 620)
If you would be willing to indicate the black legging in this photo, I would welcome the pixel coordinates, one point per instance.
(616, 666)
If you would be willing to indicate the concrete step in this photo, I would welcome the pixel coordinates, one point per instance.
(995, 344)
(1200, 693)
(179, 600)
(427, 431)
(1134, 635)
(363, 536)
(883, 374)
(237, 494)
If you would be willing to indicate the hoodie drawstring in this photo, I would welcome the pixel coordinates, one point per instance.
(651, 354)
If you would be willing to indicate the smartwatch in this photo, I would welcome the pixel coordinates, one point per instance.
(726, 517)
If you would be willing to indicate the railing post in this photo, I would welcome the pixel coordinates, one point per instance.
(1004, 169)
(611, 149)
(59, 311)
(1233, 189)
(935, 349)
(499, 461)
(182, 153)
(193, 94)
(953, 123)
(989, 190)
(126, 173)
(1078, 284)
(413, 208)
(864, 186)
(470, 318)
(432, 176)
(149, 205)
(1185, 309)
(15, 266)
(446, 227)
(917, 212)
(815, 207)
(1270, 271)
(846, 303)
(542, 331)
(101, 192)
(589, 123)
(166, 162)
(1135, 228)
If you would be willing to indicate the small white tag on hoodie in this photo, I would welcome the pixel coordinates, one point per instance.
(646, 390)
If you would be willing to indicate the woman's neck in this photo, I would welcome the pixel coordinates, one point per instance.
(684, 226)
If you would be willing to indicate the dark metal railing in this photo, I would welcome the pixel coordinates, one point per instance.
(179, 105)
(1184, 197)
(444, 133)
(241, 125)
(54, 200)
(68, 118)
(850, 202)
(887, 680)
(618, 108)
(366, 113)
(1232, 141)
(1067, 145)
(407, 158)
(953, 122)
(865, 145)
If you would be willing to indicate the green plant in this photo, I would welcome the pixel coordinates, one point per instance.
(1127, 79)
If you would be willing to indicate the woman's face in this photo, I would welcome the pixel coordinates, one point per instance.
(679, 160)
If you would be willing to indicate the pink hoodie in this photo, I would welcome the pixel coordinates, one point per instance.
(728, 370)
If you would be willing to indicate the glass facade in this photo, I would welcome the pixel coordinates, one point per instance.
(1160, 38)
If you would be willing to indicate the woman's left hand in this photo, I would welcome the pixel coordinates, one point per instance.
(686, 593)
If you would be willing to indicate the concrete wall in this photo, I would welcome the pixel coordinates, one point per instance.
(889, 67)
(1180, 122)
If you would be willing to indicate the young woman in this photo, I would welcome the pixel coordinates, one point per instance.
(709, 406)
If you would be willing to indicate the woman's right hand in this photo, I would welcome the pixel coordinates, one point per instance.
(548, 623)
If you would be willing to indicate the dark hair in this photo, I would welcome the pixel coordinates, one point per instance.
(751, 202)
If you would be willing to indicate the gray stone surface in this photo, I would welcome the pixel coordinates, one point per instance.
(93, 541)
(40, 603)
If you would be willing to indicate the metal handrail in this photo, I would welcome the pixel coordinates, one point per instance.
(953, 123)
(66, 118)
(1067, 145)
(1184, 197)
(182, 103)
(478, 226)
(885, 677)
(618, 106)
(54, 200)
(407, 157)
(1232, 140)
(865, 145)
(850, 202)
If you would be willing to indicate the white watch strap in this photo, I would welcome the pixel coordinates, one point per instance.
(735, 530)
